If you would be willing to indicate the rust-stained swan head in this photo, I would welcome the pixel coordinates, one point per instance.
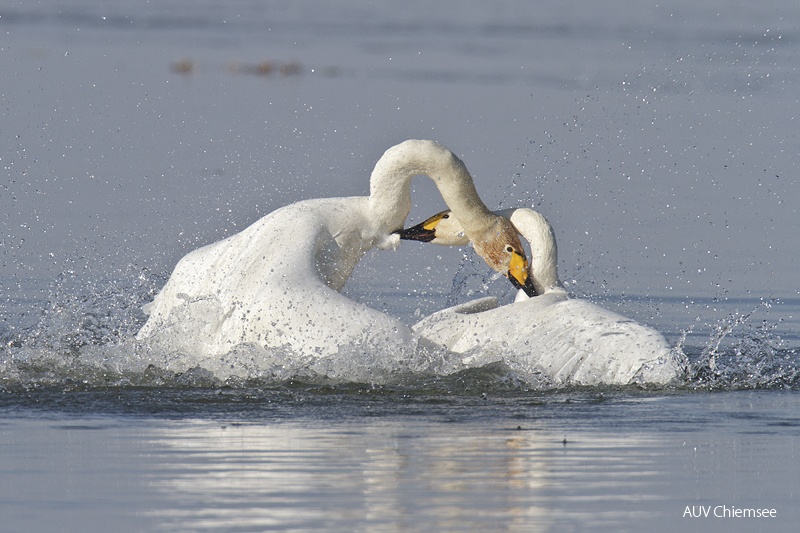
(498, 244)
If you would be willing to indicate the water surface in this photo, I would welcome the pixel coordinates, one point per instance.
(658, 139)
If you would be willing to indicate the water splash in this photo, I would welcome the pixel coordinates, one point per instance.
(84, 338)
(472, 280)
(741, 354)
(80, 331)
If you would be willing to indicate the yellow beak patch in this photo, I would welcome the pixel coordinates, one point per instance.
(433, 221)
(518, 268)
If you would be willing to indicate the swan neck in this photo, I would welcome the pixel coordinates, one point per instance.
(390, 184)
(458, 191)
(544, 252)
(545, 274)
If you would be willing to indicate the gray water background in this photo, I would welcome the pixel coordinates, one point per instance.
(660, 140)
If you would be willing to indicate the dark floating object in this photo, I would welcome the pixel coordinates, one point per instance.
(262, 68)
(184, 66)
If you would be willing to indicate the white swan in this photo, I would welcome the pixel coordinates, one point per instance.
(566, 340)
(276, 283)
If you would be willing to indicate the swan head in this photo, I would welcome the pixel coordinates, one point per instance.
(499, 245)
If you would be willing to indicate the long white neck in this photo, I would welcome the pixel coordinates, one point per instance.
(544, 252)
(390, 185)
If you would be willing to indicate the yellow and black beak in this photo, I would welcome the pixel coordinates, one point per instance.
(425, 231)
(519, 276)
(417, 233)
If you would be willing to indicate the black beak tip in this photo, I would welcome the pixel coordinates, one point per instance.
(528, 287)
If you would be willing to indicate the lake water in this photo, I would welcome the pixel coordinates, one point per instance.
(660, 140)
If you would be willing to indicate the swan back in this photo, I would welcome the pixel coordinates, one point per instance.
(567, 340)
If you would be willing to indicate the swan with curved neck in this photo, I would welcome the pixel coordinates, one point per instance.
(492, 236)
(276, 284)
(567, 340)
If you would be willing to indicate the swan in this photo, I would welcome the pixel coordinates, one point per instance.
(276, 283)
(565, 340)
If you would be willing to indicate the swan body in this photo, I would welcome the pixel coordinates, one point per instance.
(563, 339)
(276, 284)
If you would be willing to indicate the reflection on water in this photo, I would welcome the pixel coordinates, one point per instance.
(623, 464)
(387, 475)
